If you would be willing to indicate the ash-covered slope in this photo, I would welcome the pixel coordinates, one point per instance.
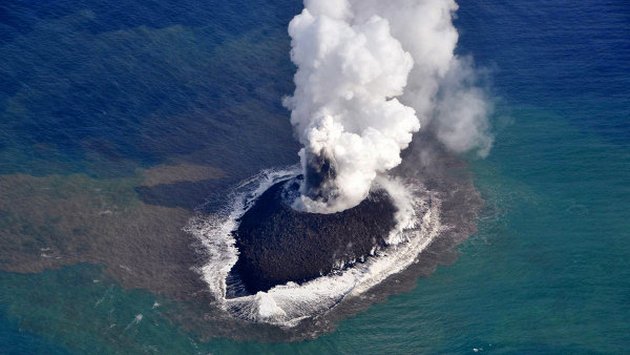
(278, 244)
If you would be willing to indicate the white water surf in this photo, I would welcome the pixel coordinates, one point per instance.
(418, 223)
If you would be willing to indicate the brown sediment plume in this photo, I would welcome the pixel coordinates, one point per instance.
(168, 174)
(54, 221)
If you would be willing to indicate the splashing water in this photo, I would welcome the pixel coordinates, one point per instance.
(418, 223)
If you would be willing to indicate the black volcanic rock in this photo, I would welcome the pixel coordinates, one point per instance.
(278, 244)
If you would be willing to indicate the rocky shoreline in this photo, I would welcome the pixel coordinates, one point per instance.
(278, 244)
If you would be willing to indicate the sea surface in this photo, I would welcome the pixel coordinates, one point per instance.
(128, 104)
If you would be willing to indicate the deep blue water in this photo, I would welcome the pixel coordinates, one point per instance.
(116, 81)
(17, 341)
(568, 56)
(103, 88)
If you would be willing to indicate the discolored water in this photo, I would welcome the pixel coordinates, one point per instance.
(117, 120)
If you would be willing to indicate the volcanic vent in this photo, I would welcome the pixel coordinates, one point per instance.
(278, 244)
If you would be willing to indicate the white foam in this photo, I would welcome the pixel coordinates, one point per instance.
(286, 305)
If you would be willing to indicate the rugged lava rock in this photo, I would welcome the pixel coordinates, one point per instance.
(278, 244)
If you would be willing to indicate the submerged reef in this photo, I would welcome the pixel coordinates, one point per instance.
(278, 244)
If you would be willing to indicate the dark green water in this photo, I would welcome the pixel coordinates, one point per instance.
(547, 272)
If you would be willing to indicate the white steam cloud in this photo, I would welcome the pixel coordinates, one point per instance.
(370, 72)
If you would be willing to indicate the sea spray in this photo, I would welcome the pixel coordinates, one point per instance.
(287, 305)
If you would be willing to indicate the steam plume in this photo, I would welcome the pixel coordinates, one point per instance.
(369, 73)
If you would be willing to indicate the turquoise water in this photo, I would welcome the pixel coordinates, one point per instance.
(547, 272)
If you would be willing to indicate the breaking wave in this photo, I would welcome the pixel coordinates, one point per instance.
(417, 224)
